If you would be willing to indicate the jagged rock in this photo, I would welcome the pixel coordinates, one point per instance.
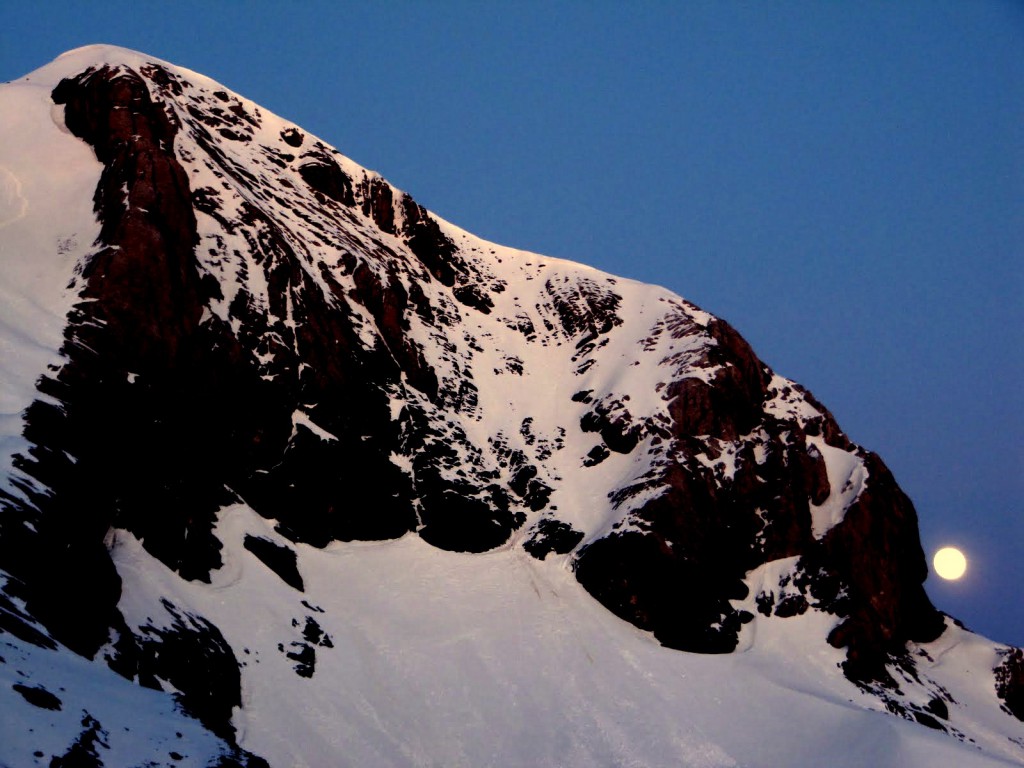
(38, 696)
(552, 535)
(192, 656)
(280, 559)
(877, 555)
(1010, 681)
(84, 752)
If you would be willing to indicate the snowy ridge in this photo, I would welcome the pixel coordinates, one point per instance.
(482, 500)
(47, 226)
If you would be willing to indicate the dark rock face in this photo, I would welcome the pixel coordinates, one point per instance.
(551, 535)
(877, 555)
(38, 696)
(141, 307)
(303, 651)
(84, 752)
(192, 655)
(1010, 682)
(323, 174)
(585, 308)
(706, 530)
(281, 560)
(731, 404)
(683, 604)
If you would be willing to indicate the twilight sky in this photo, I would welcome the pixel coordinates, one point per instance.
(843, 182)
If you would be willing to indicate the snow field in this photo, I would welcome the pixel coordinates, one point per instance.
(47, 227)
(499, 659)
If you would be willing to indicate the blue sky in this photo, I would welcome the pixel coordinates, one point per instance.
(843, 182)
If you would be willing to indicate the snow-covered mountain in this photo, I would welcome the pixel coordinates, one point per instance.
(293, 472)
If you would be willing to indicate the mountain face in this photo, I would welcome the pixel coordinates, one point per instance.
(234, 359)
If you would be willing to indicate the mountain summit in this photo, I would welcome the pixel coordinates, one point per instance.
(294, 472)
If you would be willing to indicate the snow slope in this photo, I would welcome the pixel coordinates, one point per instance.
(441, 658)
(500, 659)
(448, 658)
(47, 225)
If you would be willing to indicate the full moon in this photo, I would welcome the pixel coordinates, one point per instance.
(950, 563)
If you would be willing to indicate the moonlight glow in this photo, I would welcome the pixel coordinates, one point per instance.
(950, 563)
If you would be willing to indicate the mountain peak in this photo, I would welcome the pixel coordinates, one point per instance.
(77, 60)
(265, 372)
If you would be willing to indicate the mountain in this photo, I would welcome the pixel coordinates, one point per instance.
(294, 472)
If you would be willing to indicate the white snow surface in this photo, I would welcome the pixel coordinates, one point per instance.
(442, 658)
(438, 658)
(47, 226)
